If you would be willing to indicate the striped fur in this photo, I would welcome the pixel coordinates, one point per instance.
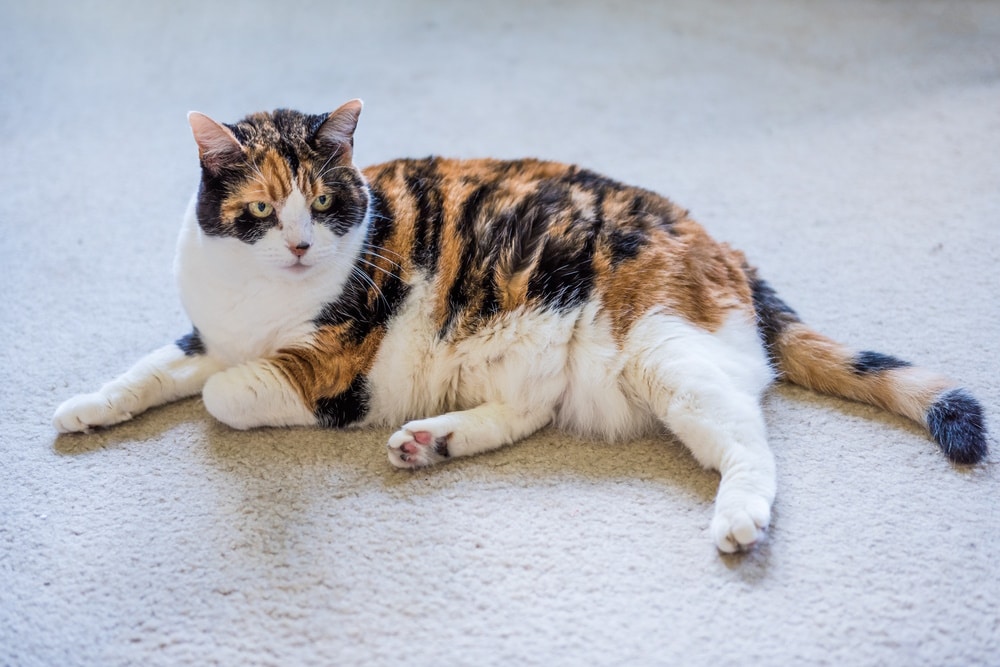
(477, 301)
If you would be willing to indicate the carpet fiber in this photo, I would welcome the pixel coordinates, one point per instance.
(851, 149)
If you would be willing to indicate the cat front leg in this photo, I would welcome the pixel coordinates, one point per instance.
(491, 425)
(254, 394)
(166, 375)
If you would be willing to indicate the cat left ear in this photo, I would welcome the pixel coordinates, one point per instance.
(338, 128)
(217, 145)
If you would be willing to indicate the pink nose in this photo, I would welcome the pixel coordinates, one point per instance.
(300, 249)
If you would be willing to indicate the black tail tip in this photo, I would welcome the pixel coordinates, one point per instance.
(956, 421)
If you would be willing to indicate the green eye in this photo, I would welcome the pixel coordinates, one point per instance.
(260, 209)
(322, 203)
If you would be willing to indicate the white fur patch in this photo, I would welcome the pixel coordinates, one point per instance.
(530, 367)
(519, 359)
(296, 219)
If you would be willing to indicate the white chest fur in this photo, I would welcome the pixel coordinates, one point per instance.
(244, 310)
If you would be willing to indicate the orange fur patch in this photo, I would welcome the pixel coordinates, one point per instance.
(812, 360)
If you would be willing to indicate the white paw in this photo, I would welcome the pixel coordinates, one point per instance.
(417, 445)
(740, 523)
(85, 412)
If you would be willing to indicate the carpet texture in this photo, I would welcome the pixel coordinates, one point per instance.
(851, 149)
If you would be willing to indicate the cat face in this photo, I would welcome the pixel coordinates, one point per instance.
(283, 183)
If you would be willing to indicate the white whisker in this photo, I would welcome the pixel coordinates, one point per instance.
(375, 266)
(368, 279)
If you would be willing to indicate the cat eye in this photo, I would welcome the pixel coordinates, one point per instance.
(322, 203)
(260, 209)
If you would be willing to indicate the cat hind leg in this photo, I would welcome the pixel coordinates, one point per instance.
(725, 431)
(706, 388)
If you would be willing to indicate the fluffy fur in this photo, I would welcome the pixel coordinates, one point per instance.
(475, 302)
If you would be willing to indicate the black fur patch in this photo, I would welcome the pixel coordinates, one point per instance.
(471, 269)
(360, 305)
(564, 275)
(592, 181)
(211, 193)
(513, 234)
(346, 408)
(350, 203)
(249, 229)
(867, 362)
(424, 184)
(625, 245)
(773, 314)
(441, 446)
(956, 422)
(191, 344)
(383, 222)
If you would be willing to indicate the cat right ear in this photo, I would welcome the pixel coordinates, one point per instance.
(217, 145)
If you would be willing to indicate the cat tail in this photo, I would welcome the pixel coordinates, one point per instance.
(807, 358)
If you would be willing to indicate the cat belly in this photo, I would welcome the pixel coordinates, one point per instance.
(518, 357)
(565, 361)
(599, 401)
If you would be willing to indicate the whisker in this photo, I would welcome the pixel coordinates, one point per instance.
(258, 174)
(322, 168)
(368, 279)
(375, 266)
(379, 247)
(374, 255)
(323, 171)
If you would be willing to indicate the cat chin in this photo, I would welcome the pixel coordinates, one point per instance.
(297, 269)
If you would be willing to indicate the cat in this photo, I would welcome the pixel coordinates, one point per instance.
(476, 302)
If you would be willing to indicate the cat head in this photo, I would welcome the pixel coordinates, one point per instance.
(283, 183)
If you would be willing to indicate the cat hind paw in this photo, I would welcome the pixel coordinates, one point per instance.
(737, 527)
(417, 449)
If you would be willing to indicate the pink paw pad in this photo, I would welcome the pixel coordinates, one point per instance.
(420, 440)
(415, 449)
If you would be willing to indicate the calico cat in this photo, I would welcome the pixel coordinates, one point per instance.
(475, 302)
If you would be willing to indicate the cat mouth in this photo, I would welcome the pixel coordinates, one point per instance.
(298, 267)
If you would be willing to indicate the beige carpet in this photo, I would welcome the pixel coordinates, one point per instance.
(852, 149)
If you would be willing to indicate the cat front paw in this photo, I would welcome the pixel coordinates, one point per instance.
(740, 523)
(85, 412)
(411, 448)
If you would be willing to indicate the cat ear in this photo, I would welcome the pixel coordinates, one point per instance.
(217, 145)
(337, 131)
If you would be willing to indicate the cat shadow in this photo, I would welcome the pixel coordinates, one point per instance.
(150, 425)
(879, 419)
(264, 466)
(268, 463)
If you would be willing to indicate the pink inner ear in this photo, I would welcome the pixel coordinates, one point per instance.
(215, 141)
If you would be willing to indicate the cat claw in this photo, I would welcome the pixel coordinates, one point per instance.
(416, 449)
